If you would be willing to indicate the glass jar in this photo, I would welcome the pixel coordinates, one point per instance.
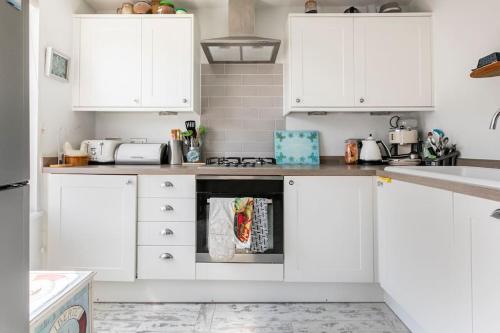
(193, 155)
(351, 152)
(311, 7)
(127, 8)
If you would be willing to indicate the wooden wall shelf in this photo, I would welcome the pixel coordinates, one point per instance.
(490, 70)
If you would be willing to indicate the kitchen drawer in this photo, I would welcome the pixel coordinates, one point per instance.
(164, 209)
(167, 187)
(166, 233)
(166, 262)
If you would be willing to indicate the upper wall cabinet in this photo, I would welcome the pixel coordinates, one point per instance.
(322, 73)
(363, 63)
(139, 63)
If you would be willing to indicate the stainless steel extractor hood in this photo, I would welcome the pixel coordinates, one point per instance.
(241, 46)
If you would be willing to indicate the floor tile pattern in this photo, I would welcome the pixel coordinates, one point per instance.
(246, 318)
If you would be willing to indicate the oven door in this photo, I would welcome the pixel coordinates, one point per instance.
(266, 187)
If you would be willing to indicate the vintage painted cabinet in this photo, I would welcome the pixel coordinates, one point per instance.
(328, 229)
(61, 302)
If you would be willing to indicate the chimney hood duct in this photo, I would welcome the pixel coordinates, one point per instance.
(242, 46)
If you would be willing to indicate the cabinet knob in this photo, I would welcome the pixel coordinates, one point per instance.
(166, 232)
(136, 101)
(129, 182)
(166, 256)
(184, 100)
(291, 183)
(298, 100)
(166, 208)
(166, 184)
(361, 100)
(496, 214)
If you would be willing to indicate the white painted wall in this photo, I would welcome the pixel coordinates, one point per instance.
(465, 31)
(148, 125)
(56, 30)
(54, 108)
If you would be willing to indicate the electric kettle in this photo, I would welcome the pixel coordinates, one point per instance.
(370, 151)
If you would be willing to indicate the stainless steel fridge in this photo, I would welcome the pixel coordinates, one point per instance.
(14, 167)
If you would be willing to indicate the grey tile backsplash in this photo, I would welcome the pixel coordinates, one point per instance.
(242, 106)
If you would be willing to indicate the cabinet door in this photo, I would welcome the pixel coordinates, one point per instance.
(328, 229)
(420, 251)
(92, 225)
(321, 62)
(474, 214)
(110, 62)
(393, 62)
(167, 57)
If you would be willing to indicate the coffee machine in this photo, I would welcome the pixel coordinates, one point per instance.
(403, 138)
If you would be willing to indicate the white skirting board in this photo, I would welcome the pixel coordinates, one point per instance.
(235, 291)
(412, 325)
(239, 272)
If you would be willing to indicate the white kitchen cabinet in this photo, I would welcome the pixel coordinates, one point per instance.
(328, 229)
(421, 254)
(393, 62)
(109, 63)
(168, 63)
(140, 63)
(321, 62)
(369, 62)
(473, 215)
(166, 262)
(92, 225)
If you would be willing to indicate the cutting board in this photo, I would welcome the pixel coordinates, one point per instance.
(296, 147)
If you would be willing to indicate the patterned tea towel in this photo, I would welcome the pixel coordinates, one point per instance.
(220, 229)
(260, 227)
(243, 208)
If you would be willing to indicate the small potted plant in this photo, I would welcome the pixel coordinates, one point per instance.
(166, 7)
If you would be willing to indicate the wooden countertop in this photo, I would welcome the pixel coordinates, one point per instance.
(327, 169)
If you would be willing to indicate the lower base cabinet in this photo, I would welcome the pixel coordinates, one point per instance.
(92, 225)
(418, 256)
(166, 262)
(328, 229)
(479, 218)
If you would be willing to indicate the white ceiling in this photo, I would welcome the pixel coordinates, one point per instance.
(109, 5)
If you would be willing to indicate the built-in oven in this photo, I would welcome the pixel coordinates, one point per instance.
(269, 188)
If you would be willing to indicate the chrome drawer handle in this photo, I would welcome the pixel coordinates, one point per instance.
(496, 214)
(166, 184)
(166, 256)
(166, 232)
(167, 208)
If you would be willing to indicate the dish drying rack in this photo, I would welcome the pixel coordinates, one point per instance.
(446, 160)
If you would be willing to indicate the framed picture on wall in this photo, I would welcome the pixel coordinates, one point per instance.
(57, 64)
(16, 4)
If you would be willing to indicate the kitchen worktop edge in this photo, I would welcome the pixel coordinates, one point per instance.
(327, 169)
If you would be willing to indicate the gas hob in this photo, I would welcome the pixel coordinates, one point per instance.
(237, 162)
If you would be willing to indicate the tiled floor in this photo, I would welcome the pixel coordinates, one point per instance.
(246, 318)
